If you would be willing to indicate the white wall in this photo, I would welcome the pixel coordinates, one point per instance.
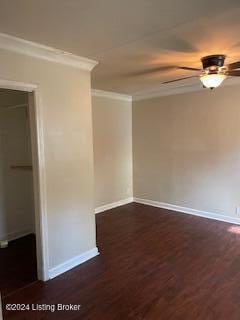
(66, 115)
(187, 150)
(112, 132)
(16, 200)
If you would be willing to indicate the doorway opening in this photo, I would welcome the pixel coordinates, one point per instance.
(18, 232)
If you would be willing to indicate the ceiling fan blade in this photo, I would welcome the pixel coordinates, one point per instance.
(234, 73)
(151, 70)
(234, 65)
(192, 69)
(165, 82)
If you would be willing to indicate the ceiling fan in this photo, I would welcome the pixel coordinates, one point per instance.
(213, 71)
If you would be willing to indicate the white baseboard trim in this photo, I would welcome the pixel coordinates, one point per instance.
(113, 205)
(16, 235)
(74, 262)
(203, 214)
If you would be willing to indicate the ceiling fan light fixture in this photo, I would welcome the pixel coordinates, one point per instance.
(212, 81)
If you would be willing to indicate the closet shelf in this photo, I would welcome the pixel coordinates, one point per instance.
(21, 167)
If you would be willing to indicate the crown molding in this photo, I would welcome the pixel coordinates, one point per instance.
(40, 51)
(111, 95)
(171, 89)
(166, 92)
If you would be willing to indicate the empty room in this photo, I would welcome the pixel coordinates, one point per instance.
(119, 160)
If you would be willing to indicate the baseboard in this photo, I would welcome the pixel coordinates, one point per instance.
(16, 235)
(113, 205)
(203, 214)
(74, 262)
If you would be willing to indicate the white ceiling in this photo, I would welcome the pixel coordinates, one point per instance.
(128, 36)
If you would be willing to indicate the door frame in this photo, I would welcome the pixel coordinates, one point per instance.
(39, 172)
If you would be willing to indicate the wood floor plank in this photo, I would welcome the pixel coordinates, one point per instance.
(154, 264)
(18, 264)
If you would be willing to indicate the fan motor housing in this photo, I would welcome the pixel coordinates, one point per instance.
(216, 60)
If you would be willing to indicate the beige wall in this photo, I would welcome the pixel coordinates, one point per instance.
(65, 103)
(16, 187)
(187, 150)
(112, 132)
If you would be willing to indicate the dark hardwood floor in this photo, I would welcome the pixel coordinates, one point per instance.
(18, 266)
(154, 264)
